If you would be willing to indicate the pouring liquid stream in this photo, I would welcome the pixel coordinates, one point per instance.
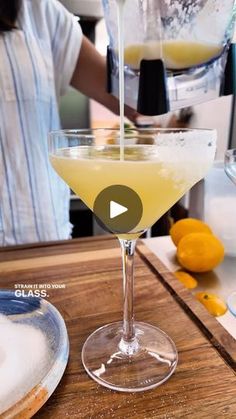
(120, 12)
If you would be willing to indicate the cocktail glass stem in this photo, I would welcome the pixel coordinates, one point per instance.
(129, 343)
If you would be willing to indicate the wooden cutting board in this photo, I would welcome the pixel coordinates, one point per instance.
(204, 384)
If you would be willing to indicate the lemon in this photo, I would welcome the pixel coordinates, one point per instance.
(111, 141)
(212, 302)
(200, 252)
(187, 280)
(187, 226)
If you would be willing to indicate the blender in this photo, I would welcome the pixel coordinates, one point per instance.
(177, 53)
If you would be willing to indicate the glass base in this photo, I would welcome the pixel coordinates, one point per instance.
(143, 364)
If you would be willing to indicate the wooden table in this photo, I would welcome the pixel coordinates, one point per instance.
(204, 384)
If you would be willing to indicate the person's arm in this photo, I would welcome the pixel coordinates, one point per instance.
(90, 79)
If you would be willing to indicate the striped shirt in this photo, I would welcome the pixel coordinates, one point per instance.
(36, 66)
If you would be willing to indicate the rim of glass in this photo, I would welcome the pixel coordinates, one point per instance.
(89, 131)
(231, 152)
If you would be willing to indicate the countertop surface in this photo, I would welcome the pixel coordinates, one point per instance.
(83, 280)
(221, 281)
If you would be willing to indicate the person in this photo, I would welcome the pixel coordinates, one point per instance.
(42, 52)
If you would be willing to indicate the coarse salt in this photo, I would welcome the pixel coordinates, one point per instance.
(24, 360)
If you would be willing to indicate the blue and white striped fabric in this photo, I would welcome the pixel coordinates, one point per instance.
(36, 65)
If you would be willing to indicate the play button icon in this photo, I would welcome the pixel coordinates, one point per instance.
(118, 209)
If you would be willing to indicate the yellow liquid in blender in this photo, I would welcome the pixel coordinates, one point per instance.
(158, 182)
(176, 54)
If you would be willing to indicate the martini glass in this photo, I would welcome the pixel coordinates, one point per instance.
(230, 170)
(160, 166)
(230, 164)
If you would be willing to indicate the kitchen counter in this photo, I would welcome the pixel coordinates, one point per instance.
(89, 274)
(222, 281)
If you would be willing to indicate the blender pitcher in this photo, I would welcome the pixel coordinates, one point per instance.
(175, 52)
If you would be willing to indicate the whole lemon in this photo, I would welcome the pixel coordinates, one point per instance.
(187, 226)
(200, 252)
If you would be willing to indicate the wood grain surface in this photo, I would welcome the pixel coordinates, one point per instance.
(204, 384)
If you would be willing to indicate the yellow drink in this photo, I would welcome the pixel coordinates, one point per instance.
(159, 180)
(176, 54)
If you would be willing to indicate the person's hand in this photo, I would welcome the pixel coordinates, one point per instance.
(132, 114)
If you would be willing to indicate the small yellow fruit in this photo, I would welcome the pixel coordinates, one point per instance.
(186, 279)
(200, 252)
(187, 226)
(111, 140)
(212, 302)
